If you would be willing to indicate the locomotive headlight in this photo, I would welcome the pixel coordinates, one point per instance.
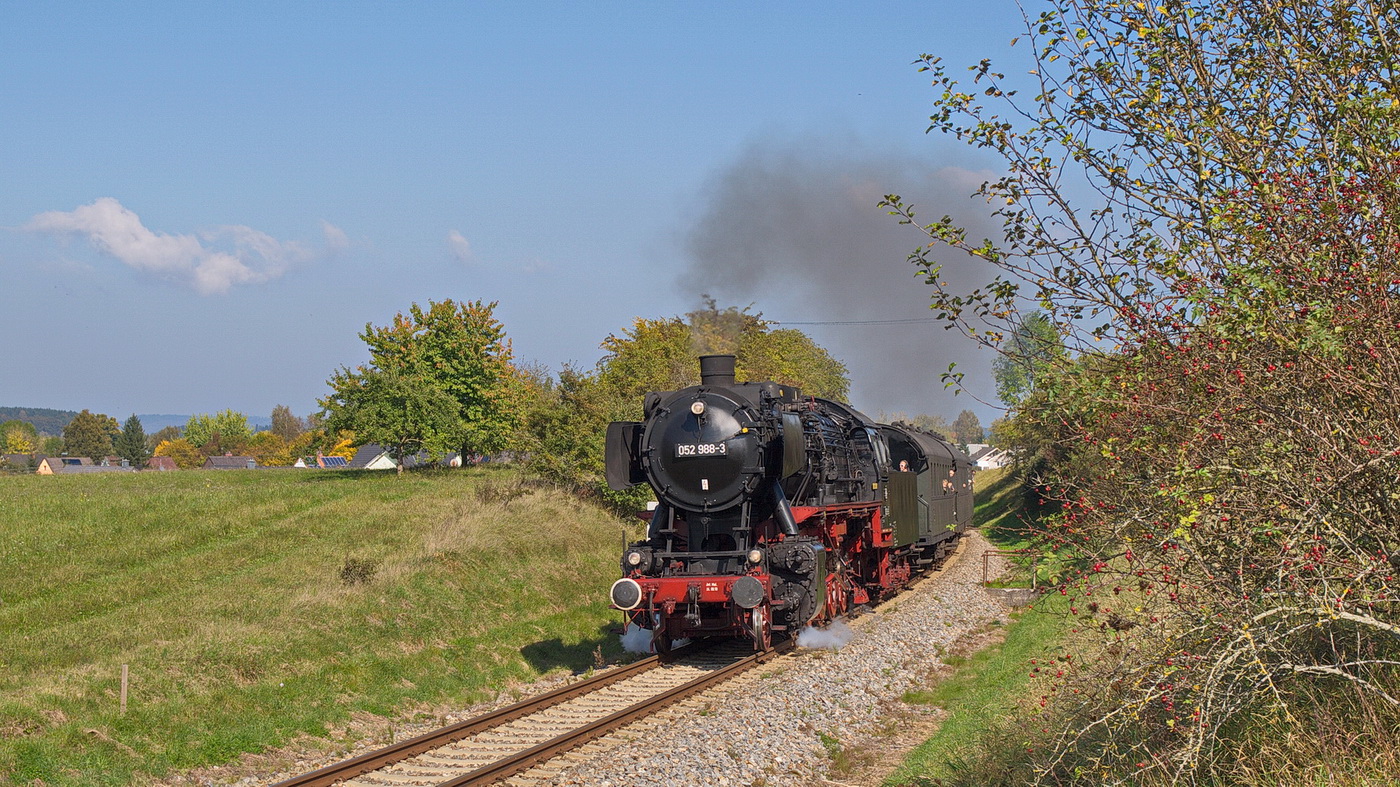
(697, 407)
(755, 556)
(634, 558)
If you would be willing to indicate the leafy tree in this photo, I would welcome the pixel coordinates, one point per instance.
(790, 356)
(163, 434)
(403, 414)
(1202, 198)
(286, 425)
(567, 421)
(270, 450)
(130, 444)
(784, 355)
(18, 437)
(227, 429)
(342, 444)
(185, 454)
(1032, 351)
(652, 355)
(459, 348)
(51, 445)
(967, 428)
(90, 435)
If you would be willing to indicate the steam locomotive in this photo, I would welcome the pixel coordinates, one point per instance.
(775, 511)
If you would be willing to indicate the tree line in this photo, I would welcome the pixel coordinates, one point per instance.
(99, 436)
(443, 377)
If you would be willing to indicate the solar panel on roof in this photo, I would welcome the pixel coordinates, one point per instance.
(334, 461)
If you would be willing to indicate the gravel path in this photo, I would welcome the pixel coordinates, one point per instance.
(768, 728)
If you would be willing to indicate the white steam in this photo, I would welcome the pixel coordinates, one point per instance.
(636, 639)
(832, 637)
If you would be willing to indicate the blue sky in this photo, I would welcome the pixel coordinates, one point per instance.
(204, 204)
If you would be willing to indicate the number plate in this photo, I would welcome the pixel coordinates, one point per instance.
(684, 450)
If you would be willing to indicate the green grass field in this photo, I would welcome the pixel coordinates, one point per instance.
(252, 607)
(985, 689)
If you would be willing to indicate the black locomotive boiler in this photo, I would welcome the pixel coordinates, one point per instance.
(774, 510)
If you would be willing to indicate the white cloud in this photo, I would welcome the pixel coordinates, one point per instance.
(335, 237)
(211, 262)
(460, 247)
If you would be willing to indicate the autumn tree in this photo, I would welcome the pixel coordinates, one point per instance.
(18, 437)
(185, 454)
(161, 435)
(130, 444)
(1202, 199)
(457, 348)
(90, 435)
(269, 449)
(285, 424)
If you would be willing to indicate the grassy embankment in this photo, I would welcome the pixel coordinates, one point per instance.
(238, 599)
(981, 690)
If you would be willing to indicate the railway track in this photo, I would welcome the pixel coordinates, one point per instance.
(520, 736)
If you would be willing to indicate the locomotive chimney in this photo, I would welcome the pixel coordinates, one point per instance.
(717, 370)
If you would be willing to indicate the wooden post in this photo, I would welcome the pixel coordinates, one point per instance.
(124, 680)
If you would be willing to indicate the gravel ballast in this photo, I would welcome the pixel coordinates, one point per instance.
(779, 725)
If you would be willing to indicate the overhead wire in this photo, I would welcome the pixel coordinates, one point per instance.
(855, 322)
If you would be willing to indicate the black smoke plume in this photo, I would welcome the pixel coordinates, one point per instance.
(797, 230)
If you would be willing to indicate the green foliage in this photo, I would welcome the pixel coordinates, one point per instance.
(226, 429)
(459, 349)
(567, 421)
(131, 443)
(782, 355)
(967, 428)
(1033, 351)
(90, 435)
(403, 414)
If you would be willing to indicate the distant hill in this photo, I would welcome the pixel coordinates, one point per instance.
(51, 422)
(48, 422)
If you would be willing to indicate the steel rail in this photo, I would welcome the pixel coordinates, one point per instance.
(531, 757)
(380, 758)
